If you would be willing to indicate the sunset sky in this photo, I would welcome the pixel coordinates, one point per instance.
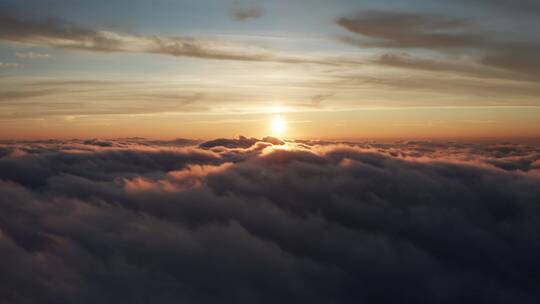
(295, 69)
(269, 151)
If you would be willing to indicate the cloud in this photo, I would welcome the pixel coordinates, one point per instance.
(525, 7)
(59, 33)
(491, 55)
(240, 142)
(505, 77)
(319, 222)
(519, 58)
(8, 64)
(32, 55)
(464, 91)
(244, 12)
(52, 98)
(22, 94)
(408, 30)
(316, 100)
(472, 69)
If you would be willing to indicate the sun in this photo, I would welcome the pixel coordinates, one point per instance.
(277, 126)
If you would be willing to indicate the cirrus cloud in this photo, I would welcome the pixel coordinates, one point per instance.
(58, 33)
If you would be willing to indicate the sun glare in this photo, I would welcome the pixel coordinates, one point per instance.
(277, 126)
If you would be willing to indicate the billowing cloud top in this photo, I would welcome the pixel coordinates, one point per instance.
(261, 221)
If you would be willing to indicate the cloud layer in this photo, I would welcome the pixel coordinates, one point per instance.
(56, 32)
(244, 221)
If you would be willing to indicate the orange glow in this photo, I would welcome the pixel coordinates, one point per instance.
(405, 123)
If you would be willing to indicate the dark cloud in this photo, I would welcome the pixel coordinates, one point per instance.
(317, 100)
(139, 221)
(98, 142)
(462, 89)
(493, 56)
(526, 7)
(23, 94)
(406, 61)
(244, 12)
(409, 30)
(240, 142)
(521, 58)
(13, 26)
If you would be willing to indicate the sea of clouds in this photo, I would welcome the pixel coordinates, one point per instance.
(264, 221)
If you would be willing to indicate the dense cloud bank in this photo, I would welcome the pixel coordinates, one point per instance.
(249, 221)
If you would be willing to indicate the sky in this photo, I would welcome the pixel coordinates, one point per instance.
(314, 69)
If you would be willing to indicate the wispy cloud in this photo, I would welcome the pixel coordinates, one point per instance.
(58, 33)
(316, 100)
(77, 98)
(246, 11)
(464, 67)
(8, 64)
(32, 55)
